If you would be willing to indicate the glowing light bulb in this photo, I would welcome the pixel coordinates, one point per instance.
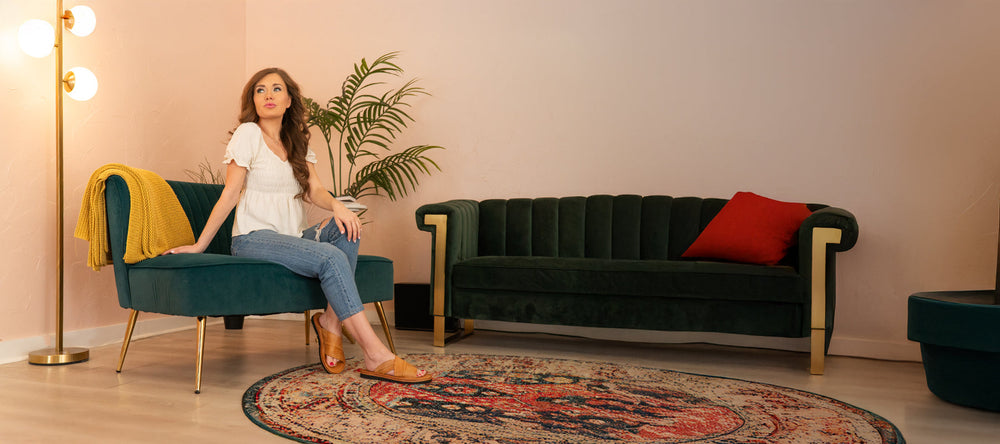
(84, 20)
(81, 84)
(36, 38)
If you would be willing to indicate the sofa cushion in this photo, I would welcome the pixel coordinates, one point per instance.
(652, 278)
(751, 229)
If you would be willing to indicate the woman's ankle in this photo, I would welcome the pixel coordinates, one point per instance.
(330, 324)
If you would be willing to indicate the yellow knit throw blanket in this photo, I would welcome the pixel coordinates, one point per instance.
(156, 221)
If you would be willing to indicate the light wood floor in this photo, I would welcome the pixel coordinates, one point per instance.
(152, 400)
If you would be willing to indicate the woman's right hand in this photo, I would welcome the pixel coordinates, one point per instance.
(184, 249)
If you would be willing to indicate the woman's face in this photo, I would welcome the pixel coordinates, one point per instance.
(270, 97)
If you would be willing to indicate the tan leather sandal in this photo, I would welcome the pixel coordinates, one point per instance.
(329, 345)
(404, 372)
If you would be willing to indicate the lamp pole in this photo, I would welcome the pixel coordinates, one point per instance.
(59, 355)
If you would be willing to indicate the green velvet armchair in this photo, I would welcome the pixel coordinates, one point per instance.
(215, 283)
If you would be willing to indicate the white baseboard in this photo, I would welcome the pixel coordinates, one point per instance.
(868, 348)
(856, 347)
(863, 348)
(18, 349)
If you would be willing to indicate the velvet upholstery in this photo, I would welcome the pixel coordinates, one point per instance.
(959, 344)
(615, 261)
(216, 283)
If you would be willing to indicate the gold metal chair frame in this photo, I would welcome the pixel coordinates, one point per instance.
(202, 326)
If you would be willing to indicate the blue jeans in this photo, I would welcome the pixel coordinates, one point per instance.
(326, 255)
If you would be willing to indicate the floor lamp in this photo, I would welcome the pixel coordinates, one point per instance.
(37, 38)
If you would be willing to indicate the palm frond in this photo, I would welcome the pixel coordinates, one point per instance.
(382, 119)
(364, 124)
(395, 175)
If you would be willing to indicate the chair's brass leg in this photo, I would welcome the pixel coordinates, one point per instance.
(128, 338)
(308, 322)
(468, 326)
(817, 347)
(385, 325)
(201, 353)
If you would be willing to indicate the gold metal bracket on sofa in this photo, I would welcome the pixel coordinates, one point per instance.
(817, 348)
(440, 223)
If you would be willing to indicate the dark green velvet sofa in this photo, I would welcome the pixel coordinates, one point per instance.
(615, 261)
(216, 283)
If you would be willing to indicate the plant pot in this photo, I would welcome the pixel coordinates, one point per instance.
(352, 204)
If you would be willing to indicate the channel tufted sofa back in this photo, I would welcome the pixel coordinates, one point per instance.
(600, 227)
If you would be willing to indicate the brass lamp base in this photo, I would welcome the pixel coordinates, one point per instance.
(51, 356)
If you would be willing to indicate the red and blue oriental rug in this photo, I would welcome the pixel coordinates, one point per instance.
(508, 399)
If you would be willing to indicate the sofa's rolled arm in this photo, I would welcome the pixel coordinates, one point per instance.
(458, 221)
(829, 217)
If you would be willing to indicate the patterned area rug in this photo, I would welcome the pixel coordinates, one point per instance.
(508, 399)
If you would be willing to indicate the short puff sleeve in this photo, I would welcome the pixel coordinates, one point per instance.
(242, 146)
(310, 156)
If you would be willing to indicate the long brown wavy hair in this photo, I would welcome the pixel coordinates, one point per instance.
(294, 131)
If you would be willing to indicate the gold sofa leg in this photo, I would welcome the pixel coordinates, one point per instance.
(201, 353)
(134, 316)
(440, 222)
(438, 331)
(817, 346)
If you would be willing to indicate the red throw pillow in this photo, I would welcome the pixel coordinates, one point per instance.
(751, 229)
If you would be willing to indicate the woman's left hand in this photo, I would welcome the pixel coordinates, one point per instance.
(347, 222)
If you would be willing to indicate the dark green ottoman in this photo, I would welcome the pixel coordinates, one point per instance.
(959, 336)
(374, 279)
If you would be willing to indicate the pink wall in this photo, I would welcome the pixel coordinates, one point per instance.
(888, 109)
(168, 72)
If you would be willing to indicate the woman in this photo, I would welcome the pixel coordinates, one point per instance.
(270, 173)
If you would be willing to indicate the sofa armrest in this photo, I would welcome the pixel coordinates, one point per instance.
(829, 217)
(457, 224)
(823, 234)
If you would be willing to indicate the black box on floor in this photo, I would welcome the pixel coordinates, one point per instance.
(413, 307)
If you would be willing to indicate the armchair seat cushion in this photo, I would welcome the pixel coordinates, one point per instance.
(201, 284)
(196, 285)
(643, 278)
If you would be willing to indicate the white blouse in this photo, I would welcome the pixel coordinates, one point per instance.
(268, 201)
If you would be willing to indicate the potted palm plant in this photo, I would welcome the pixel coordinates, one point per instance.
(360, 127)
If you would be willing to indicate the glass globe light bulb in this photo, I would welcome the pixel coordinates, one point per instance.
(84, 20)
(81, 84)
(36, 38)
